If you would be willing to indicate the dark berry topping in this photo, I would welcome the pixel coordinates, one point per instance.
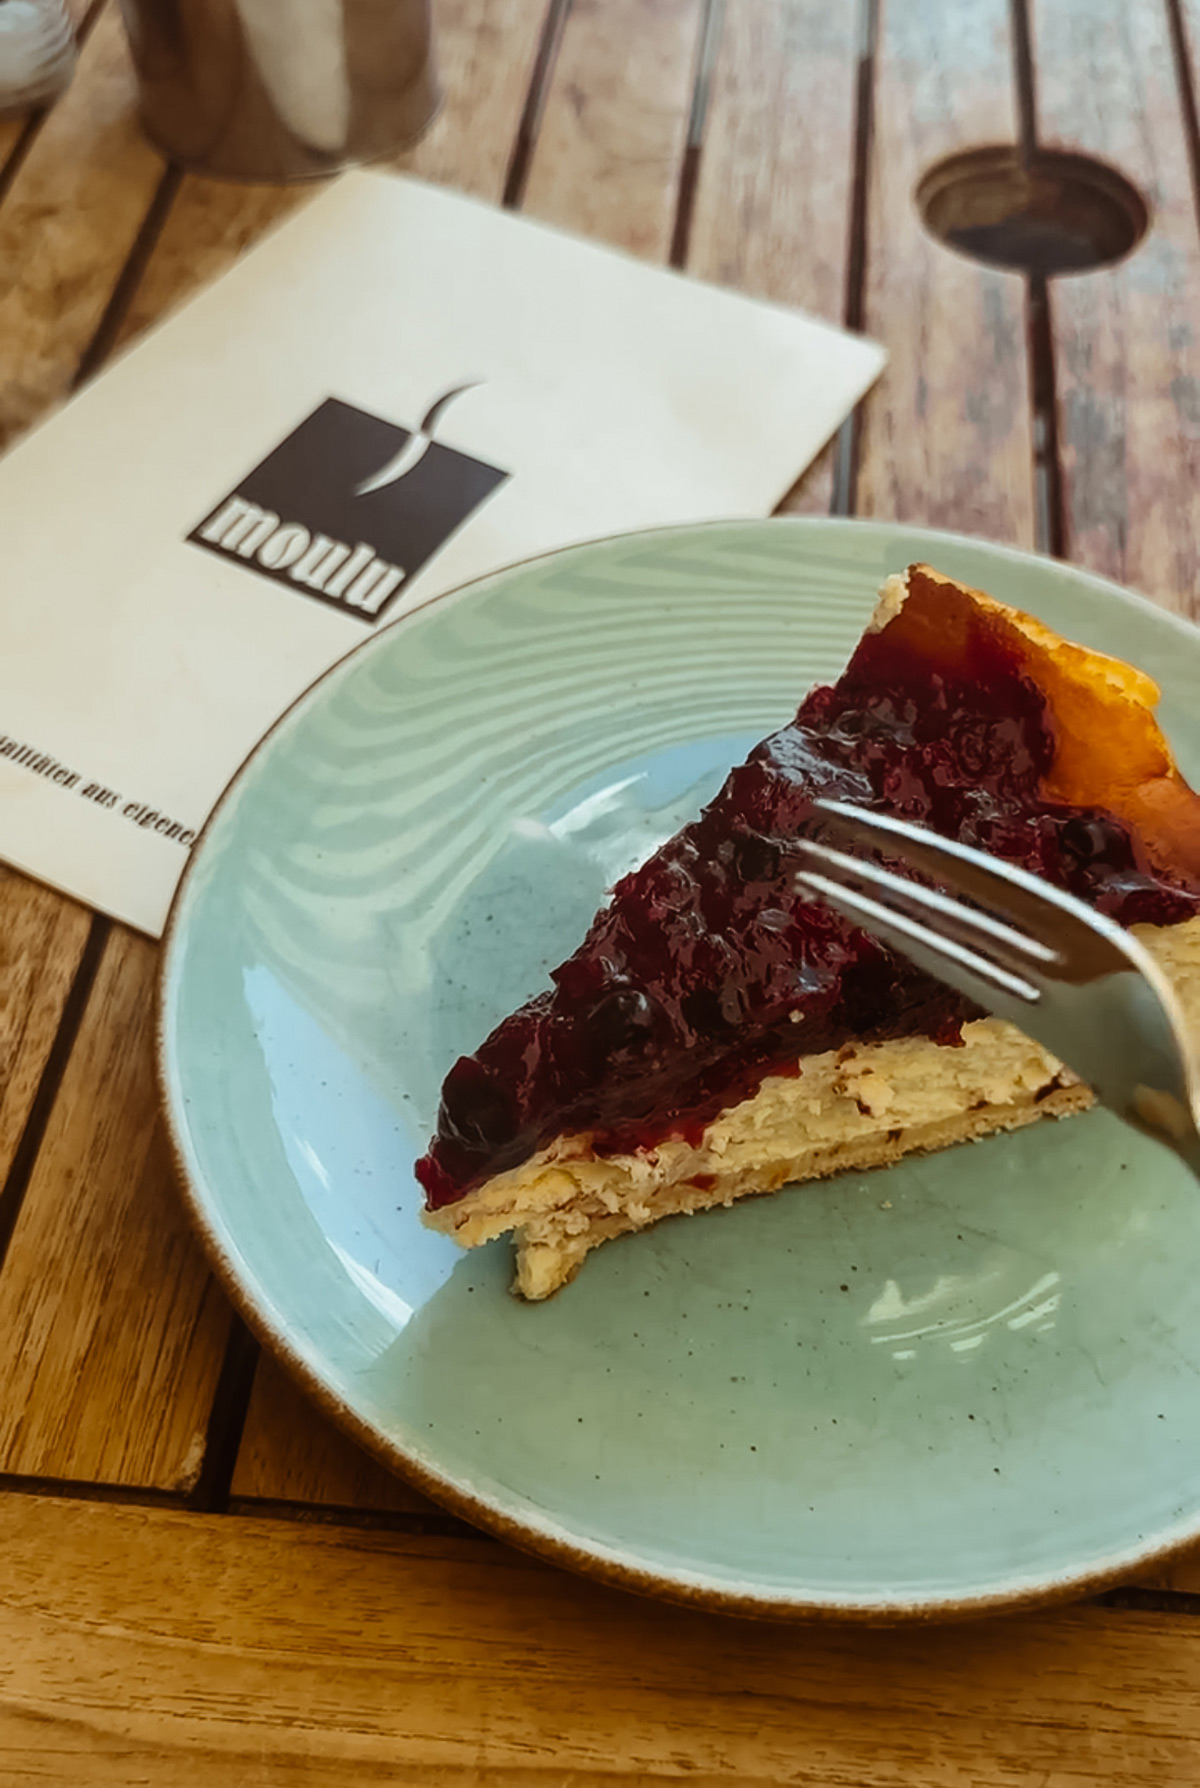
(708, 971)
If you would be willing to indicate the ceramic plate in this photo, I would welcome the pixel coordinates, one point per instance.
(965, 1381)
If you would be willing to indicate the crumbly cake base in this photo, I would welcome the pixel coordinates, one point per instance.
(862, 1106)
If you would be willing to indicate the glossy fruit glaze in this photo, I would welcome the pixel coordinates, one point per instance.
(707, 970)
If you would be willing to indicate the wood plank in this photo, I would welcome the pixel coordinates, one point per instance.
(81, 195)
(11, 131)
(1181, 1574)
(183, 1649)
(113, 1328)
(292, 1453)
(486, 51)
(772, 205)
(812, 493)
(610, 150)
(771, 214)
(1126, 347)
(42, 936)
(947, 436)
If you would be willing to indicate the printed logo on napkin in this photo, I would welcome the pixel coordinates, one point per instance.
(396, 393)
(349, 507)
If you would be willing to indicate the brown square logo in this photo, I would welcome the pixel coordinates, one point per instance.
(349, 507)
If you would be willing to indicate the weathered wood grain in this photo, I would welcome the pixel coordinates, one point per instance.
(947, 437)
(486, 51)
(140, 1645)
(113, 1328)
(42, 936)
(291, 1453)
(610, 150)
(208, 225)
(11, 131)
(772, 203)
(67, 226)
(1127, 343)
(80, 196)
(771, 213)
(812, 493)
(13, 127)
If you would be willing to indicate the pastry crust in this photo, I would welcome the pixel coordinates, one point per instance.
(863, 1106)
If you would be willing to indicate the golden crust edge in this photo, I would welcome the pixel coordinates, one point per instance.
(1122, 680)
(543, 1268)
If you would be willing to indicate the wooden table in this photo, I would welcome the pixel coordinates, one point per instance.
(202, 1582)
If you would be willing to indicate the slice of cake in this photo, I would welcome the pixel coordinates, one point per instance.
(719, 1034)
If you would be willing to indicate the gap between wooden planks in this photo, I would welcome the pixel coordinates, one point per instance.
(1126, 343)
(185, 1649)
(772, 204)
(947, 438)
(42, 936)
(80, 196)
(114, 1328)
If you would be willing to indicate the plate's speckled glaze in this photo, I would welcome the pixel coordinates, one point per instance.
(967, 1381)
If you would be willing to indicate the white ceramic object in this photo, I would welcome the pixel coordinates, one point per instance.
(37, 53)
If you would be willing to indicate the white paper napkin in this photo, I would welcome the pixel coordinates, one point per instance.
(400, 390)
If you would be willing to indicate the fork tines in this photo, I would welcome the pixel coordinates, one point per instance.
(1016, 933)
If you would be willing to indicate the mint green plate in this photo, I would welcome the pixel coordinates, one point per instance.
(961, 1383)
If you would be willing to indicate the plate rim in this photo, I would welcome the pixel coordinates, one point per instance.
(600, 1563)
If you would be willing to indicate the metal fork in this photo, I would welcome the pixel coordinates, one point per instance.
(1067, 976)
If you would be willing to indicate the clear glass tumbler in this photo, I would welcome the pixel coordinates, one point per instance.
(282, 89)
